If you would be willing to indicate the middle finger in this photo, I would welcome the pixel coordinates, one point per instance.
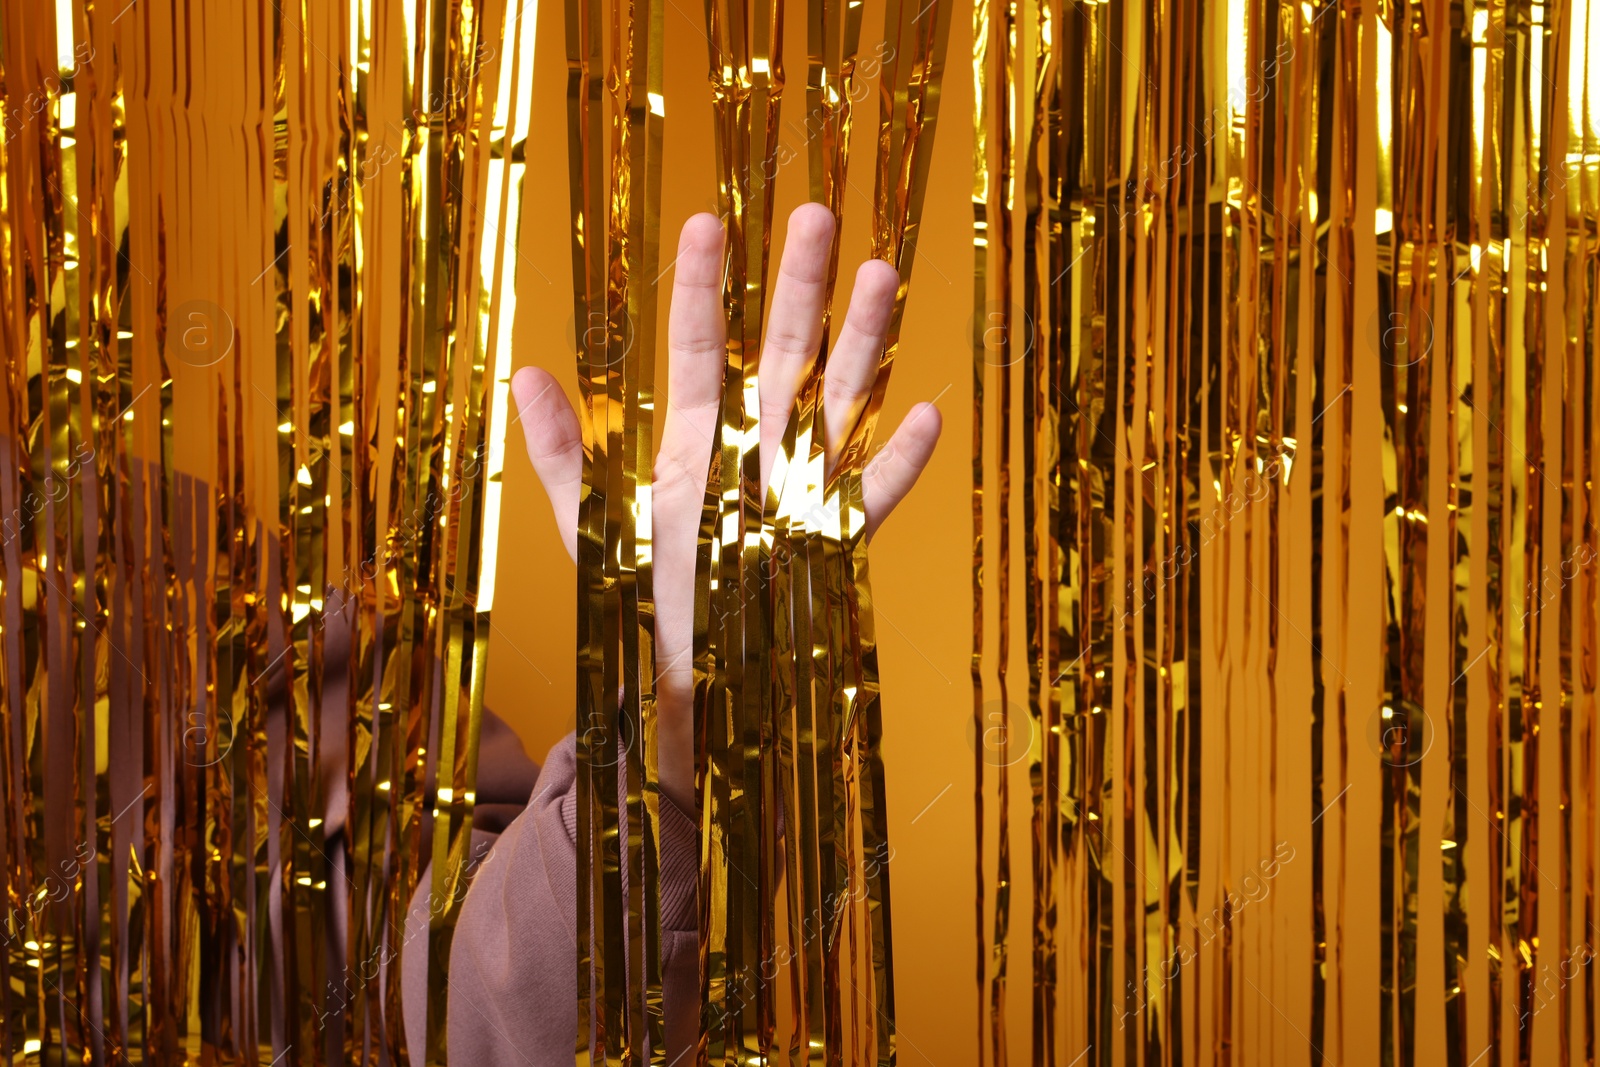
(794, 330)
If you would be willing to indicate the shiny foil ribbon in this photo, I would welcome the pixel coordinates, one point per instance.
(795, 930)
(1291, 307)
(614, 155)
(1264, 294)
(258, 294)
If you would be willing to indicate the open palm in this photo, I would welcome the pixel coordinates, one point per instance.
(696, 341)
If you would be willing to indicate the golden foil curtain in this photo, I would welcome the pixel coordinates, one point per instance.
(1266, 294)
(256, 324)
(788, 720)
(615, 261)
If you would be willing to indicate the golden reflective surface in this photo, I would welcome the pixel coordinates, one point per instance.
(1263, 295)
(257, 348)
(1300, 284)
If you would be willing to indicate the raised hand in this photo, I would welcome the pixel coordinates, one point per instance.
(696, 340)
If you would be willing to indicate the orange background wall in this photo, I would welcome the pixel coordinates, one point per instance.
(920, 561)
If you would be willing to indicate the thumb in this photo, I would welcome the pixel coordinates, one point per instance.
(555, 445)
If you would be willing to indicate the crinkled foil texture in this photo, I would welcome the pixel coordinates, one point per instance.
(256, 324)
(1264, 294)
(796, 947)
(1283, 398)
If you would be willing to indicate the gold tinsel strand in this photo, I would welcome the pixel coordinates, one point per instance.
(215, 493)
(776, 570)
(1301, 284)
(1265, 294)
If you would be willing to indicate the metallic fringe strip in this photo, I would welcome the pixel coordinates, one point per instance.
(1252, 228)
(619, 937)
(161, 603)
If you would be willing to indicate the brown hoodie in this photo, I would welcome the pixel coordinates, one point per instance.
(513, 964)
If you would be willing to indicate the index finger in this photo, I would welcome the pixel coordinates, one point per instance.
(697, 337)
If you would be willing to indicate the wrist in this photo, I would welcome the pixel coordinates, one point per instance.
(675, 743)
